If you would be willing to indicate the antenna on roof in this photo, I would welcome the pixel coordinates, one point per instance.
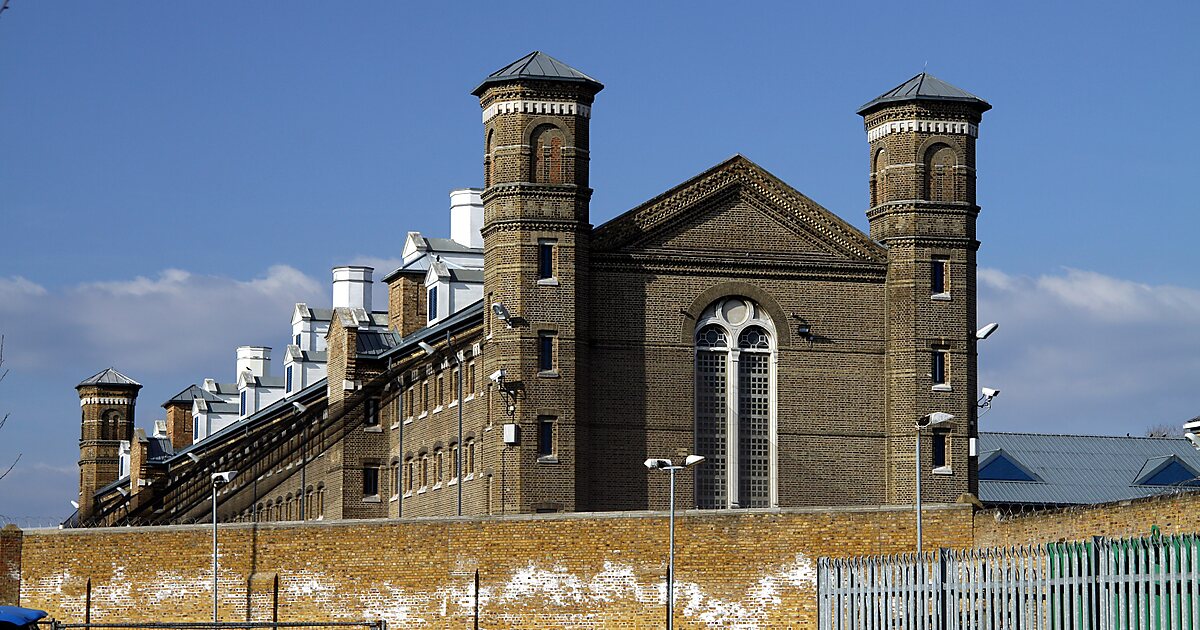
(925, 67)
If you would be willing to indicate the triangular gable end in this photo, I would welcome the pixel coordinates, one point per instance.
(1000, 466)
(1170, 472)
(691, 212)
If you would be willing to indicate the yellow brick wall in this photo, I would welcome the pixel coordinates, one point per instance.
(593, 570)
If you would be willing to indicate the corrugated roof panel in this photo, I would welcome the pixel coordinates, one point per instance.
(1079, 469)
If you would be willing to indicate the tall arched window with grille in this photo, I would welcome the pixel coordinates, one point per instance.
(735, 406)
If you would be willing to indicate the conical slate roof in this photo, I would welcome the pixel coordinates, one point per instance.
(924, 87)
(109, 376)
(536, 65)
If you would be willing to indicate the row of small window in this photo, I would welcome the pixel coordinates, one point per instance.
(419, 469)
(417, 396)
(292, 508)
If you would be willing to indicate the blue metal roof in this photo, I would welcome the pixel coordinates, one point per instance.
(1082, 469)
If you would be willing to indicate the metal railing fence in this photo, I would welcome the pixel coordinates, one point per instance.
(1104, 584)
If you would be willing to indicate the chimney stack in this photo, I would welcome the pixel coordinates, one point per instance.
(352, 287)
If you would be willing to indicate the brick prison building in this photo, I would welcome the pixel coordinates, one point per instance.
(532, 361)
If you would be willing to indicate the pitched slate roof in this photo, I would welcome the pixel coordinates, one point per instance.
(191, 393)
(924, 87)
(1080, 469)
(109, 376)
(536, 65)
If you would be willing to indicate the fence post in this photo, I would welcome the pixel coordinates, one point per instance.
(943, 560)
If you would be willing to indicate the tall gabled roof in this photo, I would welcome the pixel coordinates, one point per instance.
(536, 65)
(924, 87)
(109, 376)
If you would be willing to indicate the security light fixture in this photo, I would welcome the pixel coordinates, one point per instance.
(502, 314)
(1193, 439)
(985, 400)
(194, 457)
(75, 505)
(986, 331)
(497, 377)
(298, 407)
(804, 330)
(426, 347)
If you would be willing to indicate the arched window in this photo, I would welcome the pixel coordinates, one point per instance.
(940, 161)
(546, 160)
(735, 406)
(489, 161)
(879, 178)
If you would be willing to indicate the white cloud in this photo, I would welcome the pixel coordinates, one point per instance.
(150, 323)
(1082, 352)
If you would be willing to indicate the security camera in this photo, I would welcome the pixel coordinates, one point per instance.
(990, 393)
(986, 331)
(426, 347)
(934, 419)
(502, 314)
(298, 407)
(223, 477)
(657, 464)
(497, 376)
(1193, 438)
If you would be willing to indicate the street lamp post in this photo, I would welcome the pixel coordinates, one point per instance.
(665, 464)
(930, 420)
(218, 479)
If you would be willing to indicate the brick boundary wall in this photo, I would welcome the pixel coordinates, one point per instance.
(755, 568)
(10, 565)
(1173, 514)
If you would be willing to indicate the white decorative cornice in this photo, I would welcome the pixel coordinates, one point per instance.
(927, 126)
(97, 400)
(537, 107)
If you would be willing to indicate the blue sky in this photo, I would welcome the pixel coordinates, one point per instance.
(173, 176)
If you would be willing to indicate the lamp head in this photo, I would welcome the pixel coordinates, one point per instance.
(1193, 439)
(692, 460)
(934, 419)
(426, 347)
(658, 464)
(194, 457)
(299, 407)
(222, 478)
(502, 313)
(986, 331)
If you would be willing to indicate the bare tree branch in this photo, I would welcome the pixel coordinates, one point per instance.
(1164, 430)
(4, 373)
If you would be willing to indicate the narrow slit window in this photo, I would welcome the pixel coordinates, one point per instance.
(545, 436)
(938, 367)
(939, 276)
(940, 441)
(371, 413)
(545, 259)
(546, 352)
(433, 304)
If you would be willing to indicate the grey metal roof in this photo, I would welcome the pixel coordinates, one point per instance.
(924, 87)
(226, 388)
(536, 65)
(1079, 469)
(109, 376)
(467, 275)
(307, 356)
(191, 393)
(159, 448)
(374, 342)
(449, 245)
(469, 312)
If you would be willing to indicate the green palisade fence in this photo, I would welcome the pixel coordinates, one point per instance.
(1110, 584)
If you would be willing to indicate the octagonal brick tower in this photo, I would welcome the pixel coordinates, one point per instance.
(107, 400)
(922, 137)
(536, 238)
